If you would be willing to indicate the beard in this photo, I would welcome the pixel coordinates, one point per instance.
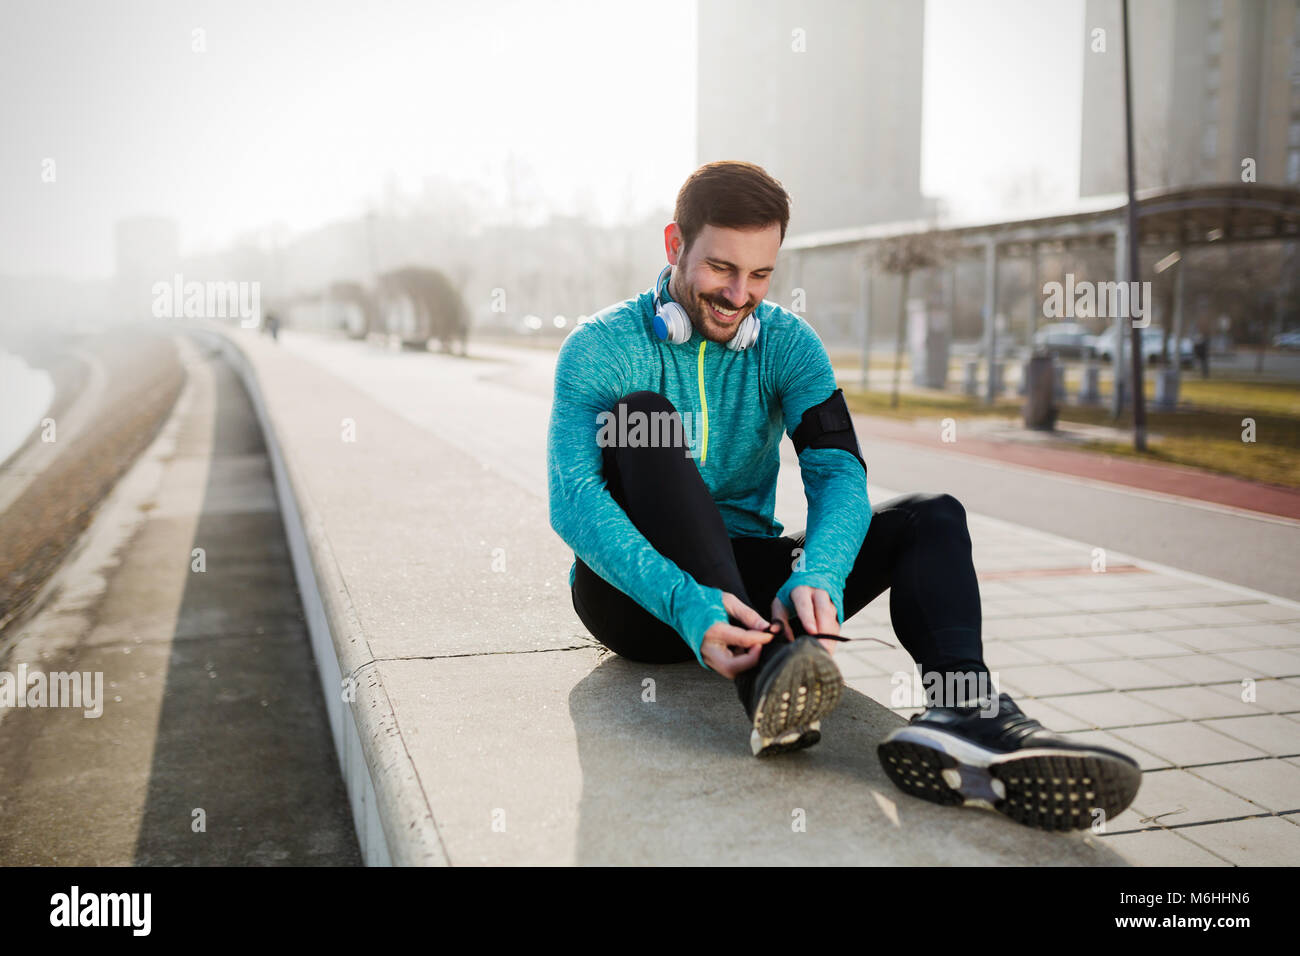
(696, 305)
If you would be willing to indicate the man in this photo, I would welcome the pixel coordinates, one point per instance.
(662, 456)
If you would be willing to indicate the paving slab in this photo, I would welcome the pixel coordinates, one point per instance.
(1194, 702)
(1162, 848)
(1122, 675)
(1272, 784)
(1113, 709)
(1277, 696)
(1177, 797)
(1261, 841)
(1269, 732)
(1188, 743)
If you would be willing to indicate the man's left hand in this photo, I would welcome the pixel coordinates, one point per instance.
(816, 613)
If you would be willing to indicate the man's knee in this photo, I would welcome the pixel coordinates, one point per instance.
(646, 401)
(944, 507)
(644, 420)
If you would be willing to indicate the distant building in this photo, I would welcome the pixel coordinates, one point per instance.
(825, 95)
(1215, 82)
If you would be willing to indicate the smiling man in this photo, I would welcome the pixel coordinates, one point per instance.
(678, 555)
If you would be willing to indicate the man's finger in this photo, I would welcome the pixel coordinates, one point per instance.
(739, 637)
(743, 662)
(742, 612)
(781, 618)
(728, 664)
(803, 605)
(828, 621)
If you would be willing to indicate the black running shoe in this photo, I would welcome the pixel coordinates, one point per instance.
(1009, 763)
(794, 685)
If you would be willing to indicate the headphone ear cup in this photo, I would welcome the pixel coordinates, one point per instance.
(672, 323)
(746, 335)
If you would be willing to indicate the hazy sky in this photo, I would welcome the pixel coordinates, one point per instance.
(298, 112)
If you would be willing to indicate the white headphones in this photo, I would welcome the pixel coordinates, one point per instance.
(672, 324)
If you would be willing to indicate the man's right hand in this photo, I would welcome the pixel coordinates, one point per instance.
(721, 637)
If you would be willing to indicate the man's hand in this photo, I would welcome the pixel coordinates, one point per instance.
(816, 613)
(716, 649)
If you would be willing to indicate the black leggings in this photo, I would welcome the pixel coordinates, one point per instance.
(917, 545)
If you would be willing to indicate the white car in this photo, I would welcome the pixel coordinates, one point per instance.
(1063, 339)
(1153, 346)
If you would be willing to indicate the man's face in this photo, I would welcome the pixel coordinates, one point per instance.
(723, 276)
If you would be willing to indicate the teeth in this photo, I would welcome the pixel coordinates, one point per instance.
(723, 311)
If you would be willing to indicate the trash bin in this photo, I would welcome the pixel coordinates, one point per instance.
(1167, 388)
(1040, 397)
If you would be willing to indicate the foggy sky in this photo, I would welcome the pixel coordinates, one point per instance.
(298, 112)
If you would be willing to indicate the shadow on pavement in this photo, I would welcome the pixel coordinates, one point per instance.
(671, 781)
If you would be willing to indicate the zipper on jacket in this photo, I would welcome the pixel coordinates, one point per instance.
(704, 407)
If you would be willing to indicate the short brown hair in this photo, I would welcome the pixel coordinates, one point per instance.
(733, 195)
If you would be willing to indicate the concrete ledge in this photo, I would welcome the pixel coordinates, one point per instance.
(393, 820)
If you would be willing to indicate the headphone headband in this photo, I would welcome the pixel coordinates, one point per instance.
(659, 284)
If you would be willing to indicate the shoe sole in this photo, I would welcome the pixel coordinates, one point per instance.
(801, 693)
(1046, 788)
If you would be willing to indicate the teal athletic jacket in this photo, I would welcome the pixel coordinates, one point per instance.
(737, 404)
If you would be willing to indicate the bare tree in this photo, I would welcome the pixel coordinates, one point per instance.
(902, 256)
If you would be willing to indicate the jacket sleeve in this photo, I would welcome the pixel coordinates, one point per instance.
(834, 481)
(590, 377)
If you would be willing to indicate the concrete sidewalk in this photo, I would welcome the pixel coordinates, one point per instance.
(491, 730)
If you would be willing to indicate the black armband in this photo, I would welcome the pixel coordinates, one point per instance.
(828, 425)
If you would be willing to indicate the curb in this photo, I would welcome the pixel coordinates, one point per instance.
(391, 813)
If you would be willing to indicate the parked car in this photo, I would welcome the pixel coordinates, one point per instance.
(1063, 340)
(1153, 346)
(1287, 340)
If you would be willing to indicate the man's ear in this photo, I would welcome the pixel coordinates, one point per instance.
(674, 243)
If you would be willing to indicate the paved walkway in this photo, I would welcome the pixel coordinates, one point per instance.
(211, 747)
(527, 744)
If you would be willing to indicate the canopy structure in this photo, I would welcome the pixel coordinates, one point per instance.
(1194, 215)
(1169, 220)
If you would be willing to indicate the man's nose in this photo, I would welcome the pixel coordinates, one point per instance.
(737, 293)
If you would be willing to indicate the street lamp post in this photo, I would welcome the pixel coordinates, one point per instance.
(1139, 399)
